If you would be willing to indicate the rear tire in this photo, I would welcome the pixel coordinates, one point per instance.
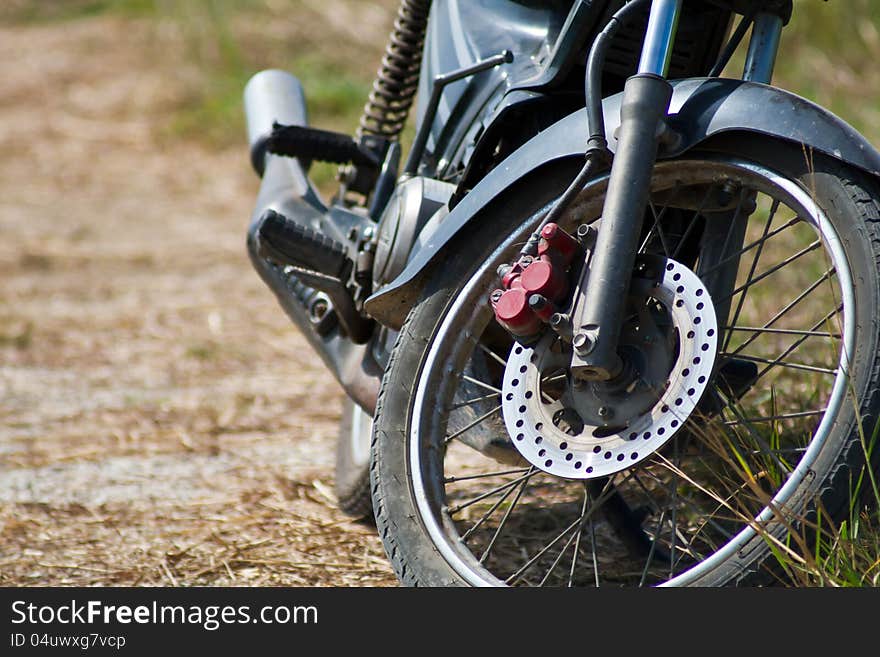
(352, 485)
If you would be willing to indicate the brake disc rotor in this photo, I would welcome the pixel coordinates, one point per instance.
(598, 450)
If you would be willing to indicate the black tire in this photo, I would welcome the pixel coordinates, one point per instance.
(352, 484)
(406, 506)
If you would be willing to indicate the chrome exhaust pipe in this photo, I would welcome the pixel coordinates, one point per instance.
(277, 96)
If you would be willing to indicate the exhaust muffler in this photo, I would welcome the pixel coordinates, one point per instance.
(290, 210)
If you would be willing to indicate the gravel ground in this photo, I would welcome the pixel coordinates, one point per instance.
(161, 422)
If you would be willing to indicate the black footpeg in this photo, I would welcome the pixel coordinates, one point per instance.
(286, 242)
(320, 145)
(317, 261)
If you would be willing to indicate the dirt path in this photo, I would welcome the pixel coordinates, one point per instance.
(160, 420)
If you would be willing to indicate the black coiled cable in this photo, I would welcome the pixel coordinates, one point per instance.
(397, 80)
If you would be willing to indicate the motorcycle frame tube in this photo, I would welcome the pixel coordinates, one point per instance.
(763, 48)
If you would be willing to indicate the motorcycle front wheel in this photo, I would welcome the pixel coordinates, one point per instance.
(787, 245)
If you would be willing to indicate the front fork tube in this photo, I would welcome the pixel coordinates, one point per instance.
(602, 291)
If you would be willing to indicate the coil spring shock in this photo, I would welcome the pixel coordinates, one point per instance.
(397, 80)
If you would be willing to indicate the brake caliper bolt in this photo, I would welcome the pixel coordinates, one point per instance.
(605, 412)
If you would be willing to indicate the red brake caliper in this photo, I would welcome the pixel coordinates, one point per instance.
(534, 286)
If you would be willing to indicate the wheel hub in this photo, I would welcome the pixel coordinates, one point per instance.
(581, 430)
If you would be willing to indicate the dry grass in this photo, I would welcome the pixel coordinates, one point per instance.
(161, 421)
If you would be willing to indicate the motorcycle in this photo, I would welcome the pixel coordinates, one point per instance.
(614, 318)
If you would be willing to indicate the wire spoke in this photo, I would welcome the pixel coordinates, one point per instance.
(660, 461)
(577, 545)
(652, 550)
(674, 522)
(470, 426)
(492, 354)
(488, 513)
(775, 268)
(783, 363)
(522, 487)
(759, 440)
(751, 246)
(799, 342)
(453, 480)
(779, 315)
(606, 493)
(559, 556)
(658, 227)
(774, 418)
(758, 252)
(693, 223)
(482, 384)
(689, 503)
(531, 562)
(732, 226)
(482, 496)
(476, 400)
(754, 329)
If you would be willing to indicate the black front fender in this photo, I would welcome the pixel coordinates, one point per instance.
(700, 107)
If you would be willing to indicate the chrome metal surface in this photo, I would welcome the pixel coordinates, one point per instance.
(659, 39)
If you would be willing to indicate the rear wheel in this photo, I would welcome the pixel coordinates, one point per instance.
(352, 485)
(787, 254)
